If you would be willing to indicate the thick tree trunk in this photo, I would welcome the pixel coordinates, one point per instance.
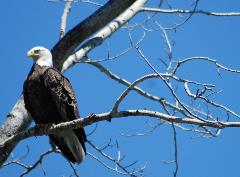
(89, 26)
(17, 120)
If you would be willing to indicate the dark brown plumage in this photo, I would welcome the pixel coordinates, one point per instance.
(50, 99)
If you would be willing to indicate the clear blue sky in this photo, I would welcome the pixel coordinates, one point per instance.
(25, 24)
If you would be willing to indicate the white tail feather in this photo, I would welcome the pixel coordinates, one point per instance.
(73, 144)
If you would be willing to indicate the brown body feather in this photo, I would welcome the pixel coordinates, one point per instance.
(50, 99)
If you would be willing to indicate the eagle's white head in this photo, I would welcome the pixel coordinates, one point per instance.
(41, 56)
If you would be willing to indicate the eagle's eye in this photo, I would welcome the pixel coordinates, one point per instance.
(36, 51)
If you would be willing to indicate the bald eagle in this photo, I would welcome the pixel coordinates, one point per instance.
(50, 99)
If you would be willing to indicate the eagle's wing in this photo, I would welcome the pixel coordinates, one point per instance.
(70, 142)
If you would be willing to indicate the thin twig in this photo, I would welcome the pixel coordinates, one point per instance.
(177, 25)
(119, 168)
(78, 1)
(175, 150)
(38, 162)
(180, 11)
(74, 169)
(29, 168)
(152, 129)
(208, 59)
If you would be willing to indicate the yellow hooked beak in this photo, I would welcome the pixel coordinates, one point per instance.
(32, 54)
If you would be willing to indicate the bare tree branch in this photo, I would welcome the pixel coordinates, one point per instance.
(74, 169)
(168, 85)
(113, 76)
(208, 59)
(175, 150)
(105, 14)
(16, 121)
(78, 1)
(103, 34)
(29, 168)
(40, 130)
(119, 168)
(66, 11)
(107, 166)
(180, 11)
